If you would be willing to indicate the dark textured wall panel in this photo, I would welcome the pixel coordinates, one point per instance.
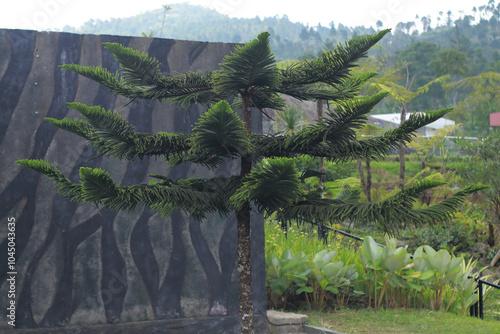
(80, 266)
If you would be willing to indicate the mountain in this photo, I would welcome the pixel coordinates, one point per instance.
(464, 48)
(289, 40)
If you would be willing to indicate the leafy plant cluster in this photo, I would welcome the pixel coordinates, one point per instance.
(306, 271)
(458, 235)
(454, 236)
(334, 171)
(299, 264)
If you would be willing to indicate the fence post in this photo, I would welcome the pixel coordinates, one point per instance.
(480, 287)
(473, 310)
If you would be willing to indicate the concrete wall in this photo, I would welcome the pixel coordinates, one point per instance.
(77, 265)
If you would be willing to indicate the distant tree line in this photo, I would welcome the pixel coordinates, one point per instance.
(415, 52)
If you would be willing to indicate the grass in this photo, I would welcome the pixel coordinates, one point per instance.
(492, 305)
(400, 321)
(392, 167)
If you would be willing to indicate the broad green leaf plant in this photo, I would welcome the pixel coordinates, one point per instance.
(329, 275)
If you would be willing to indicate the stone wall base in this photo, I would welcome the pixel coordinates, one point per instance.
(173, 326)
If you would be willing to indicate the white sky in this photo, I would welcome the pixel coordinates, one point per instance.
(54, 14)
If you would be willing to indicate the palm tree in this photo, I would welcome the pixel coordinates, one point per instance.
(290, 119)
(166, 8)
(249, 76)
(403, 95)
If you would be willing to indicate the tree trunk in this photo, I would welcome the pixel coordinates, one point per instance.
(322, 169)
(491, 227)
(366, 183)
(491, 234)
(244, 268)
(368, 180)
(244, 264)
(402, 153)
(359, 164)
(495, 259)
(401, 166)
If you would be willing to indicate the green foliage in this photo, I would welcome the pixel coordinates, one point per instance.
(442, 265)
(198, 197)
(328, 274)
(251, 73)
(111, 135)
(64, 186)
(249, 65)
(280, 275)
(483, 163)
(391, 214)
(219, 133)
(275, 184)
(251, 76)
(138, 68)
(465, 286)
(334, 188)
(453, 236)
(481, 97)
(334, 170)
(450, 61)
(404, 95)
(391, 166)
(142, 79)
(301, 238)
(318, 276)
(335, 138)
(290, 119)
(425, 147)
(389, 269)
(331, 67)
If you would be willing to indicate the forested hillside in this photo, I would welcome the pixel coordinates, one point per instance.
(290, 40)
(455, 62)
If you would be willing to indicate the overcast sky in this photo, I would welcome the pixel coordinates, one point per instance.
(54, 14)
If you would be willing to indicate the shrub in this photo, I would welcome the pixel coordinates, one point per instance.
(334, 171)
(328, 273)
(454, 236)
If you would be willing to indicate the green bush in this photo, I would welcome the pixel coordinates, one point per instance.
(300, 266)
(391, 166)
(334, 171)
(327, 274)
(453, 236)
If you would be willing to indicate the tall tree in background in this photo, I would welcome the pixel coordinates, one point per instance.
(481, 97)
(403, 95)
(321, 162)
(251, 77)
(483, 165)
(166, 8)
(366, 132)
(426, 147)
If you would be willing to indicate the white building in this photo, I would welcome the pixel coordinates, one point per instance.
(390, 121)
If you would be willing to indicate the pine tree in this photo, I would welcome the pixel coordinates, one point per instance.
(249, 77)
